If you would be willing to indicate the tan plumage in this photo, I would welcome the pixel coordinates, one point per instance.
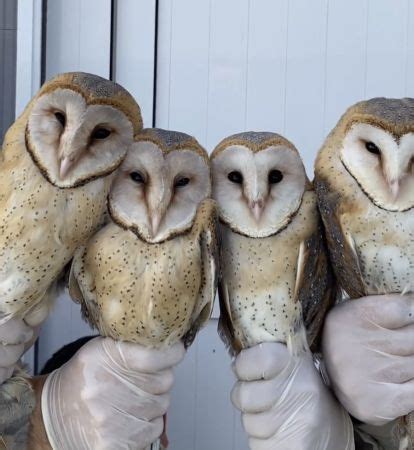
(56, 168)
(370, 239)
(275, 274)
(146, 280)
(364, 177)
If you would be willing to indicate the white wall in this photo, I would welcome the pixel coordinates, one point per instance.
(225, 66)
(8, 26)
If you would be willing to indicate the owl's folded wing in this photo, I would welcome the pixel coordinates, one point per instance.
(205, 230)
(315, 285)
(81, 285)
(342, 252)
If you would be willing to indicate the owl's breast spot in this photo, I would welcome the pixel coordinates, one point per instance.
(385, 249)
(151, 295)
(260, 278)
(40, 228)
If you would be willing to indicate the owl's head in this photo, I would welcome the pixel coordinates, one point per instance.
(378, 150)
(258, 182)
(160, 184)
(79, 128)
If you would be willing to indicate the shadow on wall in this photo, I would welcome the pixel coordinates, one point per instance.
(8, 27)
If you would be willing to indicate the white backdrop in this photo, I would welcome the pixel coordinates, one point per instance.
(223, 66)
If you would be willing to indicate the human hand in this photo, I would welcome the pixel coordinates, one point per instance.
(15, 337)
(285, 404)
(109, 395)
(368, 348)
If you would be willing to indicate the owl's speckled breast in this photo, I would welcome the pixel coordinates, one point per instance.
(40, 228)
(260, 276)
(143, 292)
(384, 242)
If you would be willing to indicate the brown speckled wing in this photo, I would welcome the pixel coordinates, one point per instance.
(205, 230)
(225, 325)
(315, 288)
(74, 288)
(77, 290)
(342, 255)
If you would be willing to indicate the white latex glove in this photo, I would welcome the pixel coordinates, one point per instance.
(15, 336)
(110, 395)
(368, 347)
(285, 404)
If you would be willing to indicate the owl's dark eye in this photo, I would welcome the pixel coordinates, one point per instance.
(100, 133)
(182, 181)
(137, 177)
(61, 118)
(275, 176)
(235, 177)
(372, 148)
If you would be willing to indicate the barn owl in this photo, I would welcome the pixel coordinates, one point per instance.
(275, 274)
(149, 276)
(56, 167)
(364, 176)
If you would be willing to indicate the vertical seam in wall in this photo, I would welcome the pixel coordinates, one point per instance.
(286, 67)
(325, 72)
(155, 73)
(206, 143)
(247, 67)
(112, 41)
(43, 56)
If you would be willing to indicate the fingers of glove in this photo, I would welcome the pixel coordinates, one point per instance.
(144, 359)
(135, 403)
(394, 342)
(380, 402)
(404, 399)
(394, 369)
(15, 331)
(5, 373)
(256, 396)
(263, 361)
(10, 354)
(130, 434)
(263, 425)
(154, 383)
(389, 311)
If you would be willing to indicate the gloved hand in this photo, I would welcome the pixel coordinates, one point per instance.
(110, 395)
(285, 404)
(368, 347)
(15, 336)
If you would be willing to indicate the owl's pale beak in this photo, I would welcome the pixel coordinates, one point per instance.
(155, 223)
(65, 166)
(257, 207)
(394, 188)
